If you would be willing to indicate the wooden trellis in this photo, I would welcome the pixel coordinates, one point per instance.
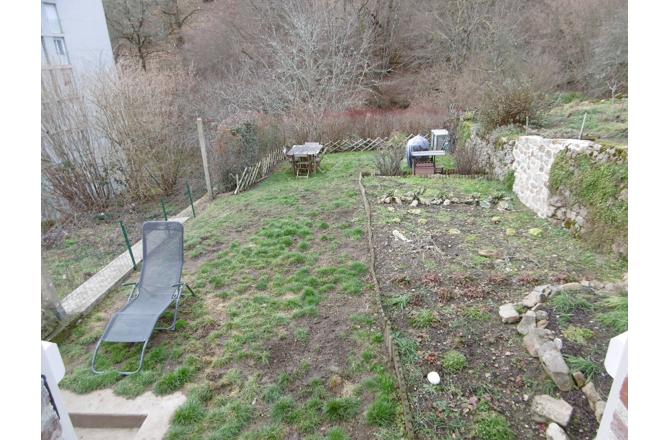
(253, 174)
(348, 145)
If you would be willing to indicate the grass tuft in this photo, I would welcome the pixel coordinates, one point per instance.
(189, 413)
(454, 361)
(616, 316)
(588, 367)
(424, 318)
(343, 408)
(579, 335)
(174, 380)
(382, 412)
(490, 425)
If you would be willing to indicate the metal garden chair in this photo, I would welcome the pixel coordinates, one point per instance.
(159, 287)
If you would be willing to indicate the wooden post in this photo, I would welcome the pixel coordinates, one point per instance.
(584, 118)
(205, 161)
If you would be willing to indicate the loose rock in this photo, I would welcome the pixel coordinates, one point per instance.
(504, 205)
(554, 432)
(535, 338)
(599, 410)
(534, 297)
(555, 366)
(558, 343)
(536, 232)
(527, 323)
(579, 378)
(496, 219)
(593, 397)
(541, 315)
(400, 236)
(508, 314)
(489, 253)
(572, 287)
(548, 409)
(416, 211)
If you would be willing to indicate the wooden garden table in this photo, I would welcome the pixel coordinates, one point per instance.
(305, 157)
(424, 162)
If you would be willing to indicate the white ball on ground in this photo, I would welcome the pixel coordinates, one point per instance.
(433, 378)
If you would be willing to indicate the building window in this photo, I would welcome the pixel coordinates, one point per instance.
(50, 19)
(54, 50)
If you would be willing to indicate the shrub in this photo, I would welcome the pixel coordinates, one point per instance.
(240, 144)
(74, 166)
(373, 123)
(388, 160)
(509, 102)
(147, 120)
(468, 160)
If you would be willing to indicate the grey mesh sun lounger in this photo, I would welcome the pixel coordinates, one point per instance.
(158, 288)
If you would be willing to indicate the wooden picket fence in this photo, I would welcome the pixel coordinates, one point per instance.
(348, 145)
(253, 174)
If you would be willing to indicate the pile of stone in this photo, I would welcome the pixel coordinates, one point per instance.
(436, 198)
(540, 342)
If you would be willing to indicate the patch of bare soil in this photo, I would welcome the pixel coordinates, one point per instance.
(460, 265)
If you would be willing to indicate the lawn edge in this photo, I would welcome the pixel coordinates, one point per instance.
(393, 355)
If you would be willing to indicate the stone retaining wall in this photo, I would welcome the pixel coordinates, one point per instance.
(533, 157)
(530, 158)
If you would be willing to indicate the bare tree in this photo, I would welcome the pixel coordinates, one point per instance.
(310, 58)
(177, 16)
(136, 28)
(607, 67)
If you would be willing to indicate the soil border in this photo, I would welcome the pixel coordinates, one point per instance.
(393, 355)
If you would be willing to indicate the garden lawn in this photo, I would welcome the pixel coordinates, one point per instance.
(283, 340)
(442, 290)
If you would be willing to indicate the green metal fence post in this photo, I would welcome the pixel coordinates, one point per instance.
(127, 243)
(164, 211)
(190, 197)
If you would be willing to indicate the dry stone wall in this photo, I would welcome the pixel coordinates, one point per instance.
(533, 157)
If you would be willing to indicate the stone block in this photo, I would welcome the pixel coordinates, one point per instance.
(547, 409)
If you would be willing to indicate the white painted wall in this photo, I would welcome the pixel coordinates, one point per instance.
(86, 35)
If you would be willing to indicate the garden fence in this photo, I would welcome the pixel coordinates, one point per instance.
(75, 246)
(350, 145)
(253, 174)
